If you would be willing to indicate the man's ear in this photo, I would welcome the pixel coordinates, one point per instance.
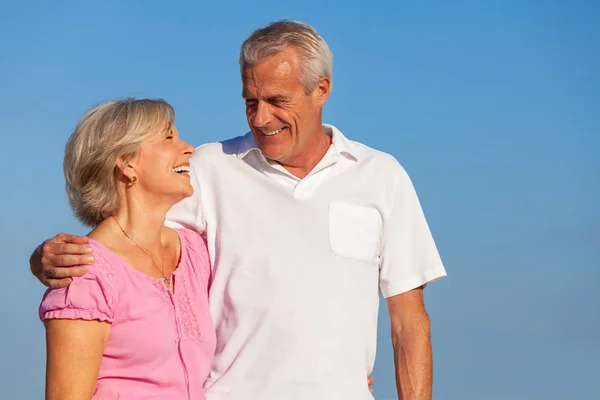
(322, 90)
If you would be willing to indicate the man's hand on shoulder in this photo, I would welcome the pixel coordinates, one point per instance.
(60, 258)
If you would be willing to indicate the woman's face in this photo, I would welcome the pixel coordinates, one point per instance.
(162, 167)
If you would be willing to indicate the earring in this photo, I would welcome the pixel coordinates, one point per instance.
(133, 180)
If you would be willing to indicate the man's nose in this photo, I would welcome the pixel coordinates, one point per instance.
(262, 116)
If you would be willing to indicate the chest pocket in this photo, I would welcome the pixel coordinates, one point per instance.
(355, 231)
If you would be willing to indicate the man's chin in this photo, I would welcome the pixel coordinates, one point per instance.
(276, 158)
(273, 154)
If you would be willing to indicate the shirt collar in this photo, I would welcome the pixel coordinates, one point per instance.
(341, 145)
(247, 145)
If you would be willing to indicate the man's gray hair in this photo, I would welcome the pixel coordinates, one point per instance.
(316, 59)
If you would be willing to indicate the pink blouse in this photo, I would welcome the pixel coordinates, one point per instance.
(161, 343)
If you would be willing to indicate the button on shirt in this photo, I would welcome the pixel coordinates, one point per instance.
(298, 265)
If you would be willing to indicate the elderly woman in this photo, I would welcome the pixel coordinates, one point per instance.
(137, 325)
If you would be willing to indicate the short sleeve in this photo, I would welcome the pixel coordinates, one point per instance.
(409, 256)
(188, 212)
(89, 297)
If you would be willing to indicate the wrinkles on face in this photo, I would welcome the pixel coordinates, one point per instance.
(283, 118)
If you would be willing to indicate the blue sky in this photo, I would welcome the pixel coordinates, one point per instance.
(492, 107)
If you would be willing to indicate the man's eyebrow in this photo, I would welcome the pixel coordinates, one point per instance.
(278, 97)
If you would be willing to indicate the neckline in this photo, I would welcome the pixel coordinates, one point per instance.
(160, 280)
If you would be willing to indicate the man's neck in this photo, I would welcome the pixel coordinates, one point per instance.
(301, 166)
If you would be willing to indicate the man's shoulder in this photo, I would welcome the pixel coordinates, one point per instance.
(365, 155)
(224, 149)
(382, 168)
(376, 158)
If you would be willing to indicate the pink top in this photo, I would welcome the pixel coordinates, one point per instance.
(161, 343)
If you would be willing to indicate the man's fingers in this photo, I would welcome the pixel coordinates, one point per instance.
(50, 249)
(57, 283)
(66, 260)
(66, 238)
(66, 248)
(58, 273)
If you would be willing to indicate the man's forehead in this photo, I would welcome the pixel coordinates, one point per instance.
(264, 90)
(269, 70)
(283, 69)
(267, 83)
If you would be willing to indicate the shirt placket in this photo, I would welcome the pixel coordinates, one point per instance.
(301, 188)
(179, 329)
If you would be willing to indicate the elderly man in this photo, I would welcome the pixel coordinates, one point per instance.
(303, 226)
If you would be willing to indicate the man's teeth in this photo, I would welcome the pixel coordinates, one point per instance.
(183, 168)
(275, 132)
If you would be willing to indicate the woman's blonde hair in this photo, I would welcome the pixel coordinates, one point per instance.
(107, 133)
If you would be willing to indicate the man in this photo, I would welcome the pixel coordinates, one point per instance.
(303, 227)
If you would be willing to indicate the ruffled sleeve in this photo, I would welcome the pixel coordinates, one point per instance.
(89, 297)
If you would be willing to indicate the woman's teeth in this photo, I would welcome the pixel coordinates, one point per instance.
(181, 169)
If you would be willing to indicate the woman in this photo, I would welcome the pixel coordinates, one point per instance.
(137, 325)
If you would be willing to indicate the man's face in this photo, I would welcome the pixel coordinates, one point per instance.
(284, 119)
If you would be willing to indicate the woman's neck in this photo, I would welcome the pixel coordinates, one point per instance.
(142, 221)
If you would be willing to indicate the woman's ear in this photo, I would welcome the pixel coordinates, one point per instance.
(127, 170)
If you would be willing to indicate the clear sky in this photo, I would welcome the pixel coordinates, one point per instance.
(493, 108)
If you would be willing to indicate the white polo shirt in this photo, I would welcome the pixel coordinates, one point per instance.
(297, 265)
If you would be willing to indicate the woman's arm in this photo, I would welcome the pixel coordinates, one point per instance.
(74, 351)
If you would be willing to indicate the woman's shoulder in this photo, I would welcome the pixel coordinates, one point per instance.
(90, 296)
(102, 274)
(191, 240)
(105, 260)
(194, 252)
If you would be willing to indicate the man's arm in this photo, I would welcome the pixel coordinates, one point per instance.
(412, 345)
(74, 354)
(64, 256)
(60, 258)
